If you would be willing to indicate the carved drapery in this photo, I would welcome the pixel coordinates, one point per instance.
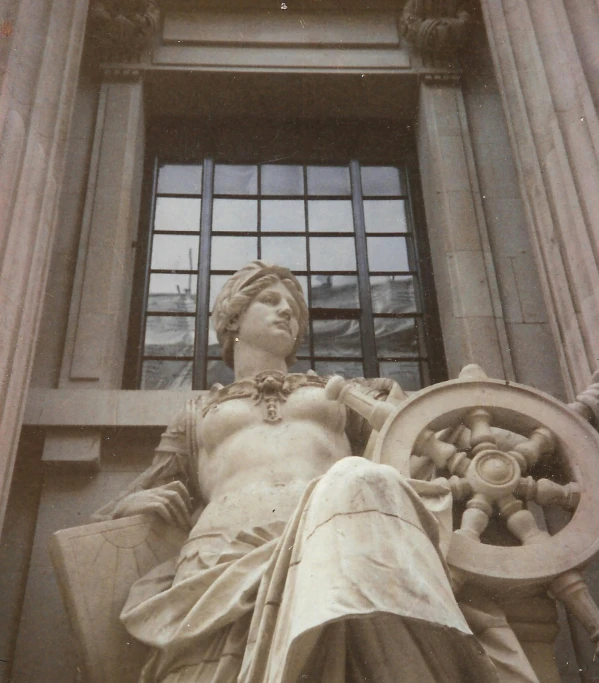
(121, 29)
(436, 27)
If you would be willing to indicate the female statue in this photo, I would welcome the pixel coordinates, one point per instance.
(304, 562)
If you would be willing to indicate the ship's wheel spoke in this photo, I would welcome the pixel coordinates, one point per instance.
(547, 492)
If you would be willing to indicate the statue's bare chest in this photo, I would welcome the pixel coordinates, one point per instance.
(269, 406)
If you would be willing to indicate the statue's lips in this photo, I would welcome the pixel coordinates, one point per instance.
(283, 325)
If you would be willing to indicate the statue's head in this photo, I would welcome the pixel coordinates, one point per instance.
(239, 292)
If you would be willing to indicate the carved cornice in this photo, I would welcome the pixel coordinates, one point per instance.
(121, 29)
(436, 27)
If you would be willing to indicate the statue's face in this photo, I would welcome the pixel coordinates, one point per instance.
(270, 322)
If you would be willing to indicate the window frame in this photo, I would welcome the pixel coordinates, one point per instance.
(432, 339)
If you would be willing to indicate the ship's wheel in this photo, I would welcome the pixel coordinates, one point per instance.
(555, 462)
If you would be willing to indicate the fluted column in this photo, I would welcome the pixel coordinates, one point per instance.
(39, 77)
(555, 137)
(584, 20)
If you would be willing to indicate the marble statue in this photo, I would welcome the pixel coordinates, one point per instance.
(303, 559)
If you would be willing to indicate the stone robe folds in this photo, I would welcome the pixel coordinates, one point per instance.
(352, 589)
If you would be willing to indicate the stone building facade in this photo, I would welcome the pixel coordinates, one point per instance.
(491, 105)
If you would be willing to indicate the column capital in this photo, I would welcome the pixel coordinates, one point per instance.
(436, 27)
(121, 29)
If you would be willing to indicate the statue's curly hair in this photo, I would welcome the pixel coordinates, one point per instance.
(239, 292)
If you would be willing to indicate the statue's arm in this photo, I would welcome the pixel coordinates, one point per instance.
(357, 428)
(166, 488)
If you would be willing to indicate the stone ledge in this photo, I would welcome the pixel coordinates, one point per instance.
(103, 407)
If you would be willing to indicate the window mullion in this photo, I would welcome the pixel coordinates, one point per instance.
(203, 286)
(367, 323)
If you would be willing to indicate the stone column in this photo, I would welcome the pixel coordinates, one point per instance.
(554, 130)
(471, 314)
(584, 20)
(39, 76)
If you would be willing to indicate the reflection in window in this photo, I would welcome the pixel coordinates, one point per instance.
(330, 216)
(282, 215)
(180, 179)
(282, 179)
(347, 237)
(235, 179)
(385, 215)
(175, 252)
(166, 374)
(234, 215)
(177, 214)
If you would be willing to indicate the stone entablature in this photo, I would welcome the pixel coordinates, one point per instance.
(436, 27)
(120, 31)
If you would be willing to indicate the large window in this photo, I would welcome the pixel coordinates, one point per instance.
(345, 228)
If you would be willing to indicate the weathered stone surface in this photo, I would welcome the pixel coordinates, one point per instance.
(121, 29)
(436, 27)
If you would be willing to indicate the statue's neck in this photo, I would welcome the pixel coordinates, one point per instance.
(250, 361)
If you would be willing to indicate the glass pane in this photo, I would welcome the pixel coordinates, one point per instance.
(282, 215)
(406, 373)
(175, 252)
(328, 180)
(303, 280)
(381, 180)
(217, 282)
(280, 179)
(332, 253)
(169, 335)
(231, 253)
(166, 374)
(230, 179)
(285, 251)
(177, 213)
(385, 215)
(396, 337)
(393, 294)
(176, 293)
(347, 369)
(387, 253)
(335, 291)
(180, 179)
(330, 215)
(237, 215)
(304, 347)
(302, 366)
(219, 372)
(337, 338)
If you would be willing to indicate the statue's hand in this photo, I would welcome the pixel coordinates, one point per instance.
(170, 502)
(587, 402)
